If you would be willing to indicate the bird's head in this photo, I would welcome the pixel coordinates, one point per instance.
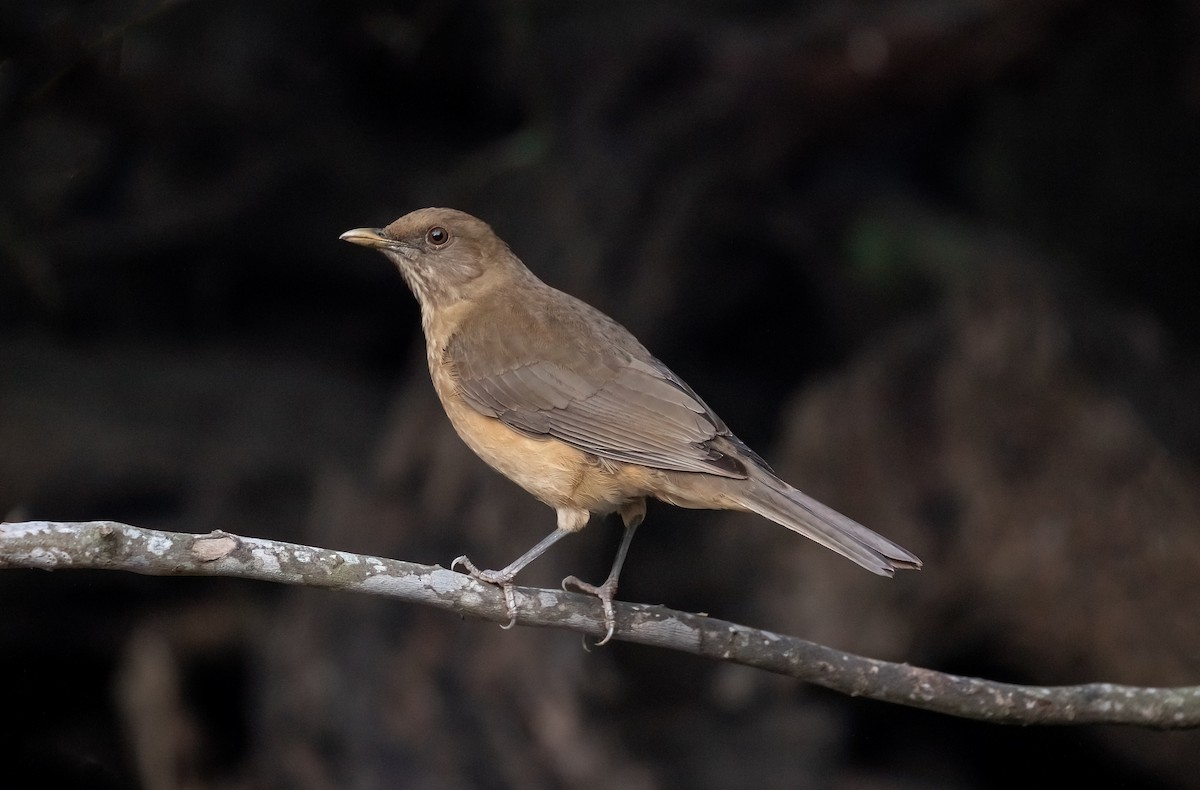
(445, 255)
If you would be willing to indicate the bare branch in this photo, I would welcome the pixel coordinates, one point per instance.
(113, 546)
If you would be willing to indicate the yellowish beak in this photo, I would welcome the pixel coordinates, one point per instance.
(366, 237)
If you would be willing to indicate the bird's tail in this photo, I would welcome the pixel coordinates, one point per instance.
(770, 497)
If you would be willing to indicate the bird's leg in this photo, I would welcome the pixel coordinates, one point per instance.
(503, 577)
(631, 515)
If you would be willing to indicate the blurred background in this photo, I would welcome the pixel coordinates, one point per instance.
(929, 257)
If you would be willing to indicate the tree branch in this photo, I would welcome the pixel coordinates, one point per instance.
(112, 546)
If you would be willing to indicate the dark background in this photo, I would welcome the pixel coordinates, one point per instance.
(934, 259)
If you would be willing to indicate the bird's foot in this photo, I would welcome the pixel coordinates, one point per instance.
(605, 592)
(497, 578)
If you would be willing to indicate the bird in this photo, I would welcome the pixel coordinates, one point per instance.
(565, 402)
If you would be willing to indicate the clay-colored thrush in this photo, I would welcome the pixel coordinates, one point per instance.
(566, 403)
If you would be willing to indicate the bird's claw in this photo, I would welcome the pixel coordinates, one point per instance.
(496, 579)
(605, 592)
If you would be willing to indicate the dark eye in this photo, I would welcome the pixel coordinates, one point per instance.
(437, 236)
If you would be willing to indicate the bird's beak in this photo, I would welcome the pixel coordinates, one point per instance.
(367, 237)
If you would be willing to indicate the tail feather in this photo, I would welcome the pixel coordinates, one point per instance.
(774, 499)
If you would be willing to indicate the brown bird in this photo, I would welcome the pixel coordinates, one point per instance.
(566, 403)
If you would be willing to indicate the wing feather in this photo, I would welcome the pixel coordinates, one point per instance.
(569, 372)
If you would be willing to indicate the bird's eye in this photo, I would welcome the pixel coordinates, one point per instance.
(437, 236)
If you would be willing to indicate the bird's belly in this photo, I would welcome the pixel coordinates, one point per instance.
(555, 472)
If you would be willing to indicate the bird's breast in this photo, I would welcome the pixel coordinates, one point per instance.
(555, 472)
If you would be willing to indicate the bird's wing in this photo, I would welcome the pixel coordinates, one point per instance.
(569, 372)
